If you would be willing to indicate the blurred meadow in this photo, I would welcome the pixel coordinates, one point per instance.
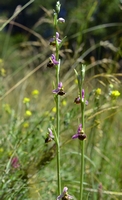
(94, 38)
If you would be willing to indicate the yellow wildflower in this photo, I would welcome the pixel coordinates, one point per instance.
(35, 93)
(64, 103)
(26, 125)
(54, 109)
(98, 91)
(28, 113)
(76, 81)
(1, 150)
(3, 72)
(26, 100)
(115, 93)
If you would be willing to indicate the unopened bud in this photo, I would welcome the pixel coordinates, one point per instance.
(58, 5)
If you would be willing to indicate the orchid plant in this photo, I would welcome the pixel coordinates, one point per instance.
(54, 61)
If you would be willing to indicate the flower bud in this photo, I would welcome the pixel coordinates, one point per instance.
(58, 5)
(61, 20)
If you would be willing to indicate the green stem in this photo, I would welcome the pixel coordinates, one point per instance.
(82, 154)
(58, 122)
(57, 100)
(82, 170)
(58, 135)
(82, 122)
(58, 168)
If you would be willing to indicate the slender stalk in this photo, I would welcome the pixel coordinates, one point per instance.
(58, 135)
(82, 154)
(58, 167)
(58, 114)
(82, 170)
(57, 97)
(82, 122)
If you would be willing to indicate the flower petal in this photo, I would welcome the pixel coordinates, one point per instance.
(75, 136)
(53, 57)
(56, 91)
(83, 93)
(50, 133)
(61, 20)
(57, 35)
(60, 85)
(60, 196)
(55, 62)
(65, 189)
(79, 129)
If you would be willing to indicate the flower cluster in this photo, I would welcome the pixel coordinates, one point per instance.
(115, 94)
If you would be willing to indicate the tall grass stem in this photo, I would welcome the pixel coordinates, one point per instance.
(15, 14)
